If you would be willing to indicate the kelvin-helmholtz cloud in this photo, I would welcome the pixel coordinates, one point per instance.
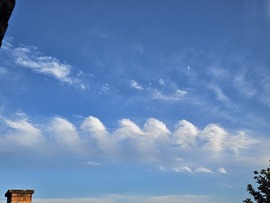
(183, 149)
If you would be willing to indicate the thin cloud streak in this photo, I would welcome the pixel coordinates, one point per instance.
(203, 170)
(136, 199)
(177, 96)
(29, 57)
(136, 85)
(3, 71)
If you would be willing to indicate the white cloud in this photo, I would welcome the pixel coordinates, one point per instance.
(43, 64)
(186, 134)
(222, 170)
(178, 95)
(93, 125)
(220, 95)
(219, 73)
(136, 199)
(214, 136)
(239, 141)
(154, 143)
(29, 57)
(217, 139)
(203, 170)
(265, 94)
(161, 82)
(21, 132)
(156, 94)
(162, 168)
(96, 134)
(73, 200)
(255, 8)
(244, 86)
(3, 70)
(268, 10)
(65, 133)
(156, 129)
(182, 169)
(91, 163)
(134, 84)
(143, 143)
(105, 88)
(127, 129)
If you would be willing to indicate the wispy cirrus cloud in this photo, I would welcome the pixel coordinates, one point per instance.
(182, 169)
(31, 58)
(254, 83)
(190, 170)
(178, 95)
(244, 85)
(162, 82)
(220, 95)
(158, 94)
(134, 84)
(203, 170)
(3, 70)
(255, 8)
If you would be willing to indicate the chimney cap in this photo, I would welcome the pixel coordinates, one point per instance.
(9, 192)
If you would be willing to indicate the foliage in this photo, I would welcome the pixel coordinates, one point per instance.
(262, 194)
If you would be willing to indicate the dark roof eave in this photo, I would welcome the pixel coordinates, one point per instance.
(6, 8)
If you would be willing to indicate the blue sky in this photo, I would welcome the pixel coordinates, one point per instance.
(135, 101)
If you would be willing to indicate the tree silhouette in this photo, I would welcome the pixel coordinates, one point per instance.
(262, 194)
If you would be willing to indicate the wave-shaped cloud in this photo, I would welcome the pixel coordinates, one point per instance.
(186, 148)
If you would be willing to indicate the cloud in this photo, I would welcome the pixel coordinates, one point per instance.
(21, 133)
(153, 143)
(65, 134)
(187, 169)
(3, 70)
(29, 57)
(264, 97)
(161, 82)
(156, 129)
(186, 134)
(134, 84)
(128, 129)
(105, 88)
(114, 198)
(156, 94)
(244, 86)
(220, 95)
(182, 169)
(95, 132)
(178, 95)
(162, 168)
(255, 8)
(91, 163)
(268, 10)
(214, 137)
(222, 170)
(203, 170)
(144, 143)
(42, 64)
(217, 139)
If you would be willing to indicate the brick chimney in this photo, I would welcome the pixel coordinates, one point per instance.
(19, 196)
